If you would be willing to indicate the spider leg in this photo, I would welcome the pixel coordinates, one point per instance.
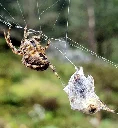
(53, 69)
(26, 34)
(48, 44)
(42, 49)
(7, 38)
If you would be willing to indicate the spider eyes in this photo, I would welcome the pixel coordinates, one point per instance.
(37, 39)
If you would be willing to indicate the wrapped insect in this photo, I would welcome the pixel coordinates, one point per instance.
(81, 94)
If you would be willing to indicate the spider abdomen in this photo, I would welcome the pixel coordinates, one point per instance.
(39, 63)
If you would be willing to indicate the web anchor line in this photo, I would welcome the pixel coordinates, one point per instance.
(79, 46)
(67, 24)
(67, 59)
(58, 15)
(49, 7)
(9, 14)
(21, 12)
(65, 56)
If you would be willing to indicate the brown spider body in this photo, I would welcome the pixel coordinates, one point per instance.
(35, 62)
(32, 57)
(33, 54)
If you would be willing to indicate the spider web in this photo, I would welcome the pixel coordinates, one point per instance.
(9, 20)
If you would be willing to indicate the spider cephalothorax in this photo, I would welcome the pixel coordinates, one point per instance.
(33, 54)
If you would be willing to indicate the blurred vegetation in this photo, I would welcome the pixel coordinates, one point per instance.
(21, 89)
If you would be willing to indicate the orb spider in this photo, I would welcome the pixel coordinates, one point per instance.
(33, 54)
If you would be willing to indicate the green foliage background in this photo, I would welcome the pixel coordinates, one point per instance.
(22, 88)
